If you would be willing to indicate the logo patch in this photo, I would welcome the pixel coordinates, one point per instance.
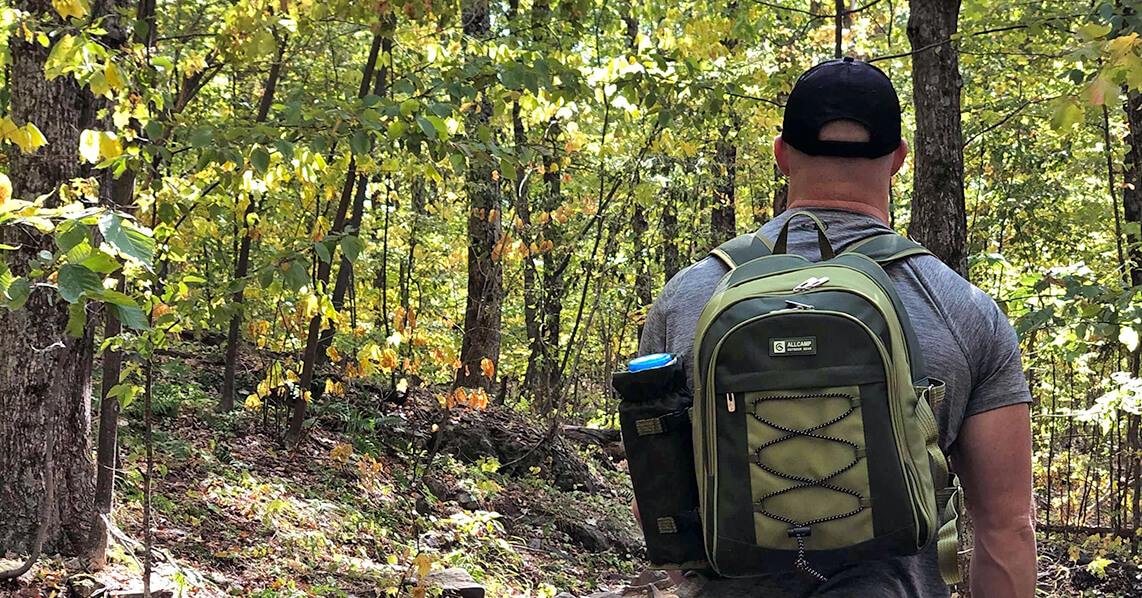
(802, 345)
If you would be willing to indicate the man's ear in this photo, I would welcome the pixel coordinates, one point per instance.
(781, 154)
(899, 155)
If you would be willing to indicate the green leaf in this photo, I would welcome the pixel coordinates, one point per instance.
(260, 160)
(131, 316)
(116, 298)
(351, 247)
(426, 127)
(1067, 113)
(126, 239)
(71, 233)
(1092, 31)
(408, 107)
(284, 148)
(372, 100)
(74, 280)
(101, 262)
(201, 137)
(297, 276)
(396, 129)
(507, 169)
(359, 142)
(76, 319)
(322, 252)
(17, 293)
(154, 130)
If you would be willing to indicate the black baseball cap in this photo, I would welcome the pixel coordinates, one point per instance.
(843, 89)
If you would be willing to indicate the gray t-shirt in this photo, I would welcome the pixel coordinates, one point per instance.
(966, 340)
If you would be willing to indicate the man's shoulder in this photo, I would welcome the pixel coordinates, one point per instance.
(694, 282)
(972, 316)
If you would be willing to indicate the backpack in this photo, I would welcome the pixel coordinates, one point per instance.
(815, 443)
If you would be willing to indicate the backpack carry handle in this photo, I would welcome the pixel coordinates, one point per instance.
(782, 242)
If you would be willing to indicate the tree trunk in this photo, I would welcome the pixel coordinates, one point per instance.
(671, 261)
(242, 268)
(781, 192)
(939, 219)
(345, 269)
(107, 446)
(723, 223)
(309, 357)
(485, 272)
(1132, 213)
(553, 291)
(45, 374)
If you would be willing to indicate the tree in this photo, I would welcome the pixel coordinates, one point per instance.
(939, 219)
(482, 314)
(45, 364)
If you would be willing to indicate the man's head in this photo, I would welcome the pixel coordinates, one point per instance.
(840, 142)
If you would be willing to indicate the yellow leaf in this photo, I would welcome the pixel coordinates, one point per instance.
(333, 355)
(341, 452)
(35, 138)
(5, 188)
(423, 566)
(70, 8)
(114, 75)
(109, 145)
(89, 145)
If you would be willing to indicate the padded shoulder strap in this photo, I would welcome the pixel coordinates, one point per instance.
(743, 248)
(885, 248)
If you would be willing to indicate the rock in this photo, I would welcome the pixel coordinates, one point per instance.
(467, 501)
(652, 576)
(84, 586)
(565, 595)
(455, 582)
(608, 594)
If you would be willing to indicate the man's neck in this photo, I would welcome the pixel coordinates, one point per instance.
(852, 205)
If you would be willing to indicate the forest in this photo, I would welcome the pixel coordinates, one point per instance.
(324, 298)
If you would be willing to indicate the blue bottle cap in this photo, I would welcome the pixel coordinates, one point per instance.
(649, 362)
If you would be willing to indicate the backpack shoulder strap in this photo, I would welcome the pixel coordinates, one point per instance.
(885, 248)
(743, 248)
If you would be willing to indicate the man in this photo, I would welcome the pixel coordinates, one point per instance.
(840, 147)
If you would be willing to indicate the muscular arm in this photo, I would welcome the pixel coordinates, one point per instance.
(993, 459)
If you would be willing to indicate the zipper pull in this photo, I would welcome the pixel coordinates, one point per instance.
(731, 403)
(798, 306)
(811, 283)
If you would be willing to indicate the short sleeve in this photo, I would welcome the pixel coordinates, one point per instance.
(997, 367)
(653, 338)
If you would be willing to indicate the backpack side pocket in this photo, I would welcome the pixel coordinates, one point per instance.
(654, 414)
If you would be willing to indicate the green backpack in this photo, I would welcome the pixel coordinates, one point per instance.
(815, 443)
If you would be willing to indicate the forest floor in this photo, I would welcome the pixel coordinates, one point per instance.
(504, 508)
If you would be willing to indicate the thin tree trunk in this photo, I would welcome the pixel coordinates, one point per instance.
(671, 261)
(1132, 213)
(42, 368)
(552, 293)
(309, 358)
(242, 268)
(482, 315)
(939, 219)
(345, 269)
(723, 221)
(781, 192)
